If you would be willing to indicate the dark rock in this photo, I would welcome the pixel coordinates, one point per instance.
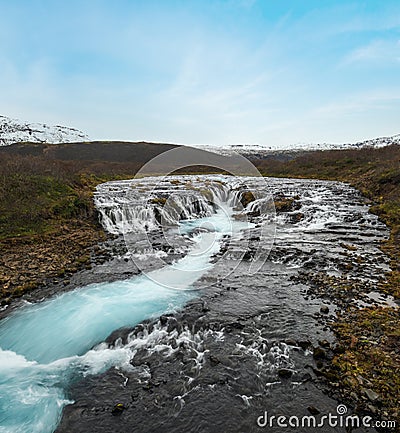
(118, 409)
(304, 344)
(339, 349)
(285, 373)
(163, 320)
(319, 353)
(248, 255)
(296, 217)
(325, 344)
(214, 360)
(236, 325)
(306, 377)
(290, 342)
(172, 324)
(324, 309)
(313, 410)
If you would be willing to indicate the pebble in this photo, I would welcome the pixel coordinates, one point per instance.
(372, 395)
(324, 309)
(118, 409)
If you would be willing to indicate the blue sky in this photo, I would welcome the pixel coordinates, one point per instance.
(204, 72)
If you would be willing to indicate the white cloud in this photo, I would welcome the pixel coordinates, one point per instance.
(376, 52)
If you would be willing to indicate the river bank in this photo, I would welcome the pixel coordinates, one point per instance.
(33, 262)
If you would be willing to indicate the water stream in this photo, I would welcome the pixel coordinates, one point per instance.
(45, 346)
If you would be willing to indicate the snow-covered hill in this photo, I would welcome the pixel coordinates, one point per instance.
(16, 131)
(259, 149)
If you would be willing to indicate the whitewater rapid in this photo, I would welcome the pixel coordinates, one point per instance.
(48, 345)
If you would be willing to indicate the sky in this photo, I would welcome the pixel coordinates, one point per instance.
(270, 72)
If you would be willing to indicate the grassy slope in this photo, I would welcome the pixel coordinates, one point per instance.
(48, 223)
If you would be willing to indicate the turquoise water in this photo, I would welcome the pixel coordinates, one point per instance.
(44, 346)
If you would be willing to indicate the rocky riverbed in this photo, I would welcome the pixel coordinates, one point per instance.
(245, 345)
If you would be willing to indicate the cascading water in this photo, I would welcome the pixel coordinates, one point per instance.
(47, 345)
(131, 205)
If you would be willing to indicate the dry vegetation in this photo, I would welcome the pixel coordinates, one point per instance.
(48, 223)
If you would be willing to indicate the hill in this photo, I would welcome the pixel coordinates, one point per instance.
(288, 152)
(15, 131)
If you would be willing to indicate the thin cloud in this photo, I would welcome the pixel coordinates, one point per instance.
(376, 52)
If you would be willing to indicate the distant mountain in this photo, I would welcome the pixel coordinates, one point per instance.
(259, 150)
(378, 142)
(16, 131)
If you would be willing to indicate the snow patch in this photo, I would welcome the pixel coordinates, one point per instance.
(261, 149)
(16, 131)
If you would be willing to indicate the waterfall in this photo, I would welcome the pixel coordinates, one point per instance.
(145, 205)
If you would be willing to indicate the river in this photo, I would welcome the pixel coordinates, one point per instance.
(211, 327)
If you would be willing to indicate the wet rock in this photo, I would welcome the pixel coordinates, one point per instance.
(319, 353)
(291, 342)
(214, 360)
(163, 320)
(118, 409)
(246, 198)
(304, 344)
(236, 325)
(172, 324)
(296, 217)
(286, 204)
(325, 344)
(248, 255)
(306, 377)
(205, 308)
(313, 410)
(285, 373)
